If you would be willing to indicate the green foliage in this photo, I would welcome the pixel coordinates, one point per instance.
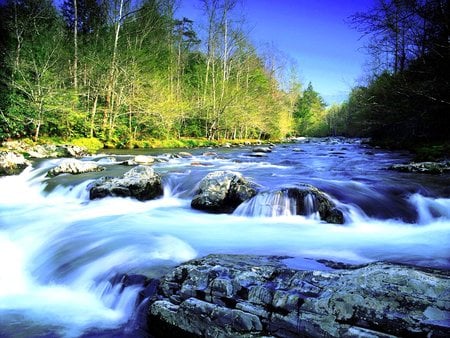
(406, 104)
(134, 80)
(309, 114)
(92, 145)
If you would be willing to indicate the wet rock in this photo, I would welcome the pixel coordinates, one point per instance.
(309, 200)
(423, 167)
(254, 296)
(262, 150)
(107, 160)
(12, 163)
(140, 159)
(222, 192)
(141, 182)
(258, 154)
(184, 154)
(74, 167)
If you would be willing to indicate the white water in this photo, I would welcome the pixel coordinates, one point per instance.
(58, 250)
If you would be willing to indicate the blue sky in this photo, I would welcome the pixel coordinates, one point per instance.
(313, 33)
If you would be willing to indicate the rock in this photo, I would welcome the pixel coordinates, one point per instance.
(319, 202)
(46, 150)
(209, 153)
(74, 167)
(258, 154)
(423, 167)
(140, 159)
(12, 163)
(201, 164)
(303, 199)
(141, 182)
(107, 160)
(222, 192)
(184, 154)
(262, 150)
(255, 296)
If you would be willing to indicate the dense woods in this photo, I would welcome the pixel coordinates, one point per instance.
(406, 99)
(125, 71)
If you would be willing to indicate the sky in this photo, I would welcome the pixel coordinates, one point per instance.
(313, 33)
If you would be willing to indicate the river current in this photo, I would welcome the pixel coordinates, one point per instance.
(59, 251)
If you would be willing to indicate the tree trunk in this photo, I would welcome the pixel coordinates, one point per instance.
(75, 46)
(94, 111)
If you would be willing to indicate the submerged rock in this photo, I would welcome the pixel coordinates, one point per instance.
(222, 192)
(141, 182)
(423, 167)
(12, 163)
(74, 167)
(303, 199)
(319, 202)
(254, 296)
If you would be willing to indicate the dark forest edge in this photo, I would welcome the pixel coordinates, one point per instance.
(129, 74)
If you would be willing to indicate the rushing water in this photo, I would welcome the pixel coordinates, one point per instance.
(59, 250)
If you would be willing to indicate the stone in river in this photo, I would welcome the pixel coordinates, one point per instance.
(141, 182)
(255, 296)
(222, 192)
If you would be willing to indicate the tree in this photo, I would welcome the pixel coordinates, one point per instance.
(309, 113)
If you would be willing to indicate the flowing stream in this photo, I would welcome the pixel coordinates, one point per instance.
(59, 251)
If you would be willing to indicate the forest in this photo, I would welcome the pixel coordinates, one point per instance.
(405, 100)
(126, 72)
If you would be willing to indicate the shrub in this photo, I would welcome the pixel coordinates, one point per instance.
(92, 145)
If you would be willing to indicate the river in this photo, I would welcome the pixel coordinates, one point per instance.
(59, 250)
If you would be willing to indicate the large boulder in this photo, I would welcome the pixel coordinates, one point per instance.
(303, 199)
(222, 192)
(12, 163)
(141, 182)
(309, 200)
(74, 167)
(255, 296)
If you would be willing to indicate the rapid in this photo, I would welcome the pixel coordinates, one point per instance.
(59, 251)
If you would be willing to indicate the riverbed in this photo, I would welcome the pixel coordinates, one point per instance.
(59, 250)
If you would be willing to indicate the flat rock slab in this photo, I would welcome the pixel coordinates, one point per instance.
(254, 296)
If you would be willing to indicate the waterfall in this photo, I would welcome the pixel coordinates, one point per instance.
(277, 204)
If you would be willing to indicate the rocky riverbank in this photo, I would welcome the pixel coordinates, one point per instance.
(255, 296)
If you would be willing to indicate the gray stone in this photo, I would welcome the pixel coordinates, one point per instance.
(222, 192)
(46, 150)
(260, 296)
(74, 167)
(262, 150)
(423, 167)
(141, 182)
(12, 163)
